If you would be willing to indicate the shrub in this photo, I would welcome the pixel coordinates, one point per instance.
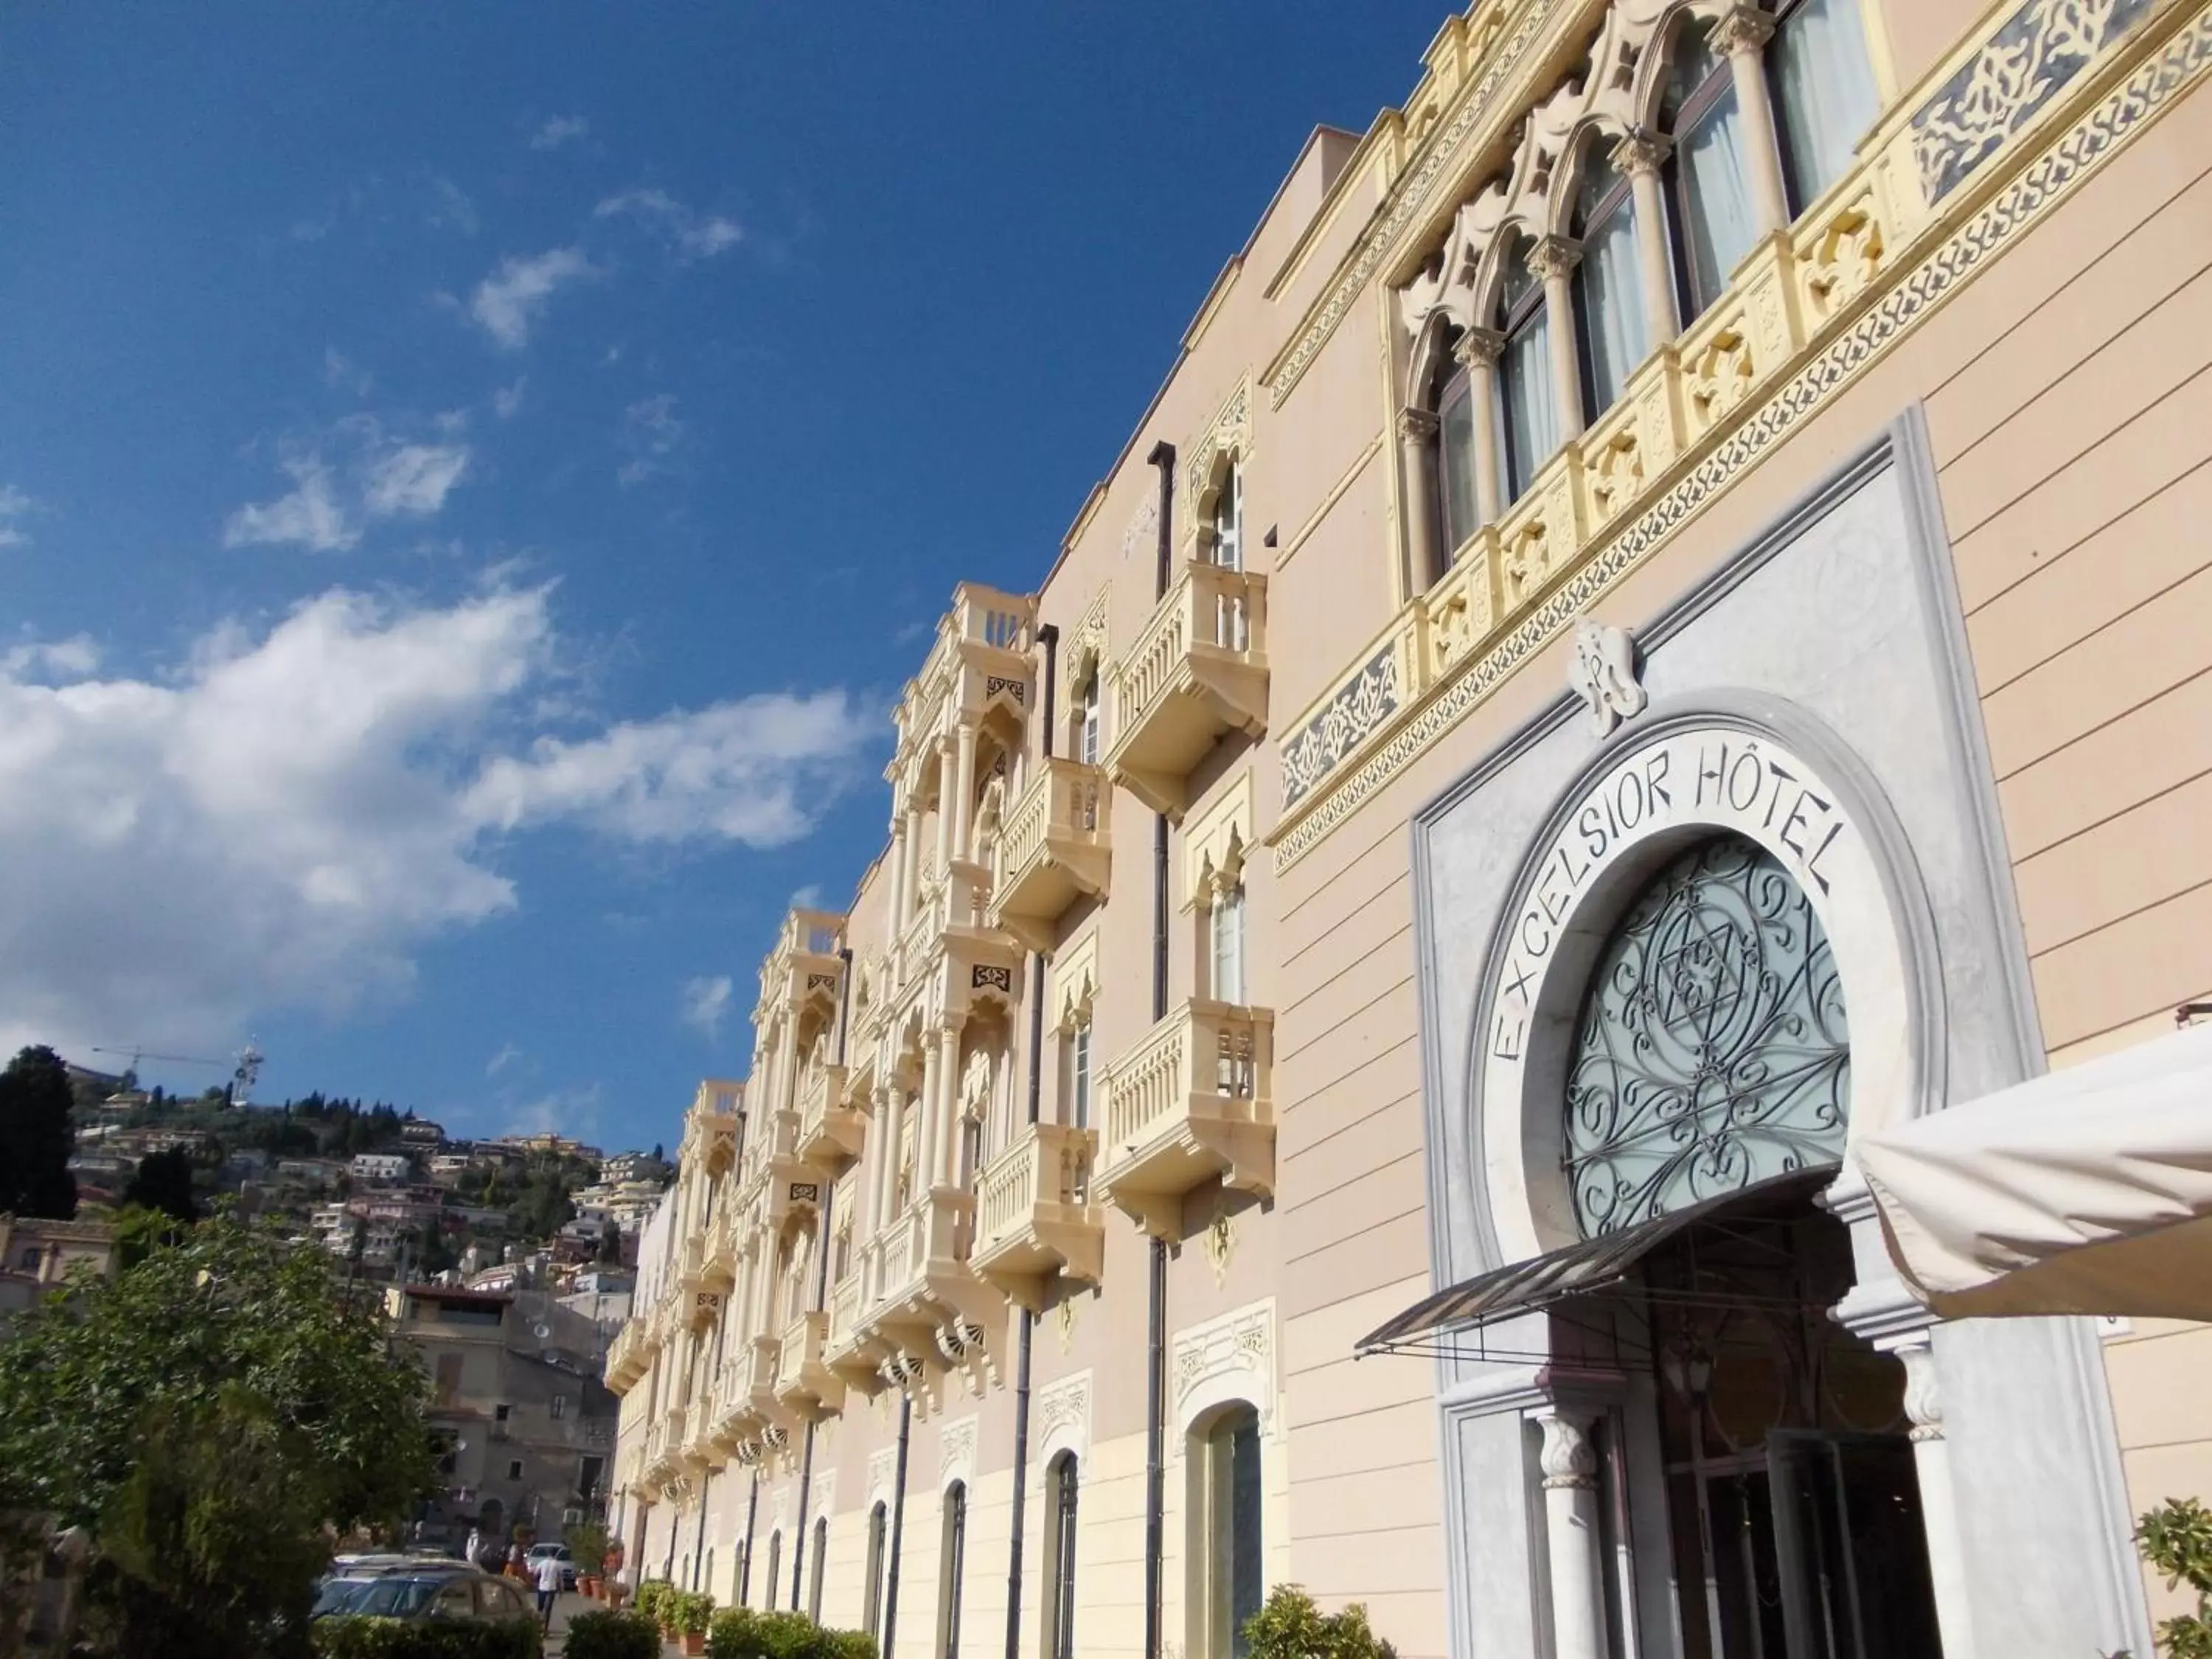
(741, 1633)
(650, 1595)
(2176, 1538)
(1289, 1626)
(397, 1638)
(690, 1610)
(588, 1546)
(612, 1636)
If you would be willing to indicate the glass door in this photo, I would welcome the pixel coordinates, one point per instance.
(1850, 1551)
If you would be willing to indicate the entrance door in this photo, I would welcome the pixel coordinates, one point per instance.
(1850, 1550)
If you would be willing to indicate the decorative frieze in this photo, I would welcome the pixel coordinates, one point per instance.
(1231, 1357)
(1060, 1418)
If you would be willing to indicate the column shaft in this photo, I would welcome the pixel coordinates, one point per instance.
(1742, 34)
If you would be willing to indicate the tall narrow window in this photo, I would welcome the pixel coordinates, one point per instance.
(1060, 1562)
(1228, 521)
(1229, 945)
(1459, 512)
(1228, 1541)
(1079, 1074)
(814, 1580)
(1609, 315)
(1824, 92)
(872, 1598)
(775, 1565)
(1528, 415)
(953, 1557)
(971, 1149)
(1713, 219)
(1086, 721)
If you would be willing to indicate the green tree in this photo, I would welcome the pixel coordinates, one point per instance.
(35, 1139)
(86, 1380)
(163, 1182)
(610, 1243)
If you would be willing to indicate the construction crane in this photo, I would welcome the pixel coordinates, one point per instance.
(244, 1067)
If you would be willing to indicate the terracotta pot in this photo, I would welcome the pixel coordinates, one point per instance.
(695, 1641)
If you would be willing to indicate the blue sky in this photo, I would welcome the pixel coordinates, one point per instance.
(472, 477)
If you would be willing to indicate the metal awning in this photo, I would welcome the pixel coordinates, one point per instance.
(1595, 1264)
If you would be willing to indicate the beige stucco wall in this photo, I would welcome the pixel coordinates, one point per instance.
(2068, 406)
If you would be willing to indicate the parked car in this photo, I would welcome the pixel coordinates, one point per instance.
(457, 1594)
(559, 1552)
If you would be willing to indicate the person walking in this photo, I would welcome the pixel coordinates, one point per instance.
(548, 1576)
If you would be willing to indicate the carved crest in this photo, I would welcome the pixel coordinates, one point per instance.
(1603, 675)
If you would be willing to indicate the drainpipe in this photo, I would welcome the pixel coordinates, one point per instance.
(1155, 1444)
(821, 1294)
(898, 1525)
(1163, 458)
(1048, 636)
(1024, 1333)
(844, 1000)
(745, 1561)
(699, 1538)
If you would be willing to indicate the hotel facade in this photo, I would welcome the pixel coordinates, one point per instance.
(1658, 626)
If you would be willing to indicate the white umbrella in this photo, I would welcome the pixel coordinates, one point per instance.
(2085, 1191)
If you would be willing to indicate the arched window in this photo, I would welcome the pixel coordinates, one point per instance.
(1711, 1051)
(1226, 521)
(775, 1565)
(1823, 92)
(871, 1618)
(1458, 505)
(1714, 222)
(814, 1580)
(1610, 319)
(952, 1557)
(1528, 415)
(1227, 925)
(1062, 1491)
(1227, 1561)
(1086, 719)
(1078, 1110)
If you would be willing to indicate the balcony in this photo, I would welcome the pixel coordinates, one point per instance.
(783, 1184)
(951, 932)
(1035, 1216)
(1053, 849)
(628, 1357)
(804, 1382)
(922, 1301)
(1198, 670)
(1192, 1101)
(846, 1349)
(831, 1129)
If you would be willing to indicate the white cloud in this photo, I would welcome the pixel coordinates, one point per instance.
(508, 398)
(756, 771)
(705, 1003)
(413, 480)
(808, 897)
(557, 131)
(341, 373)
(571, 1112)
(651, 435)
(507, 302)
(71, 658)
(450, 207)
(286, 817)
(310, 516)
(15, 505)
(690, 235)
(376, 476)
(507, 1054)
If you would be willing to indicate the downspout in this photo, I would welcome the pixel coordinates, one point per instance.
(699, 1538)
(1025, 1331)
(806, 1465)
(745, 1561)
(821, 1282)
(898, 1525)
(1156, 1310)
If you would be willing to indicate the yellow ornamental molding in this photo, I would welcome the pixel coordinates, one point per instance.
(1377, 722)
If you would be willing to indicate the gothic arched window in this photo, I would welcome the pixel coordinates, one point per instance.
(1610, 320)
(1529, 420)
(1714, 220)
(1711, 1051)
(1824, 93)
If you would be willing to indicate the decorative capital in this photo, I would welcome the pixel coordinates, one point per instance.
(1642, 152)
(1478, 347)
(1416, 426)
(1741, 28)
(1554, 256)
(1569, 1460)
(1602, 673)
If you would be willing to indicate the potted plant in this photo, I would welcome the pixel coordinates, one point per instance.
(650, 1595)
(612, 1636)
(692, 1610)
(1291, 1627)
(587, 1549)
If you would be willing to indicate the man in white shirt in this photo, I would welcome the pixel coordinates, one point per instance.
(547, 1572)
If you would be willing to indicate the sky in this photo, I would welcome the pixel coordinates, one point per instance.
(473, 480)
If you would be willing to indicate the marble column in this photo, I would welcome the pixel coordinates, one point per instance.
(963, 789)
(900, 898)
(1478, 349)
(944, 1135)
(1640, 155)
(1939, 1510)
(1740, 36)
(1418, 463)
(1570, 1532)
(1552, 261)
